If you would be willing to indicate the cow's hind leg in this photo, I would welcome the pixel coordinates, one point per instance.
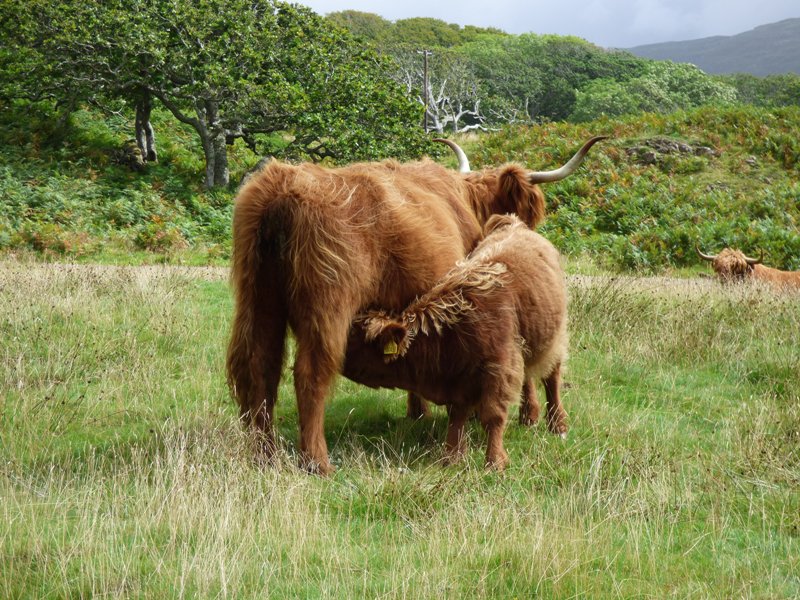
(529, 408)
(556, 415)
(255, 368)
(417, 407)
(320, 354)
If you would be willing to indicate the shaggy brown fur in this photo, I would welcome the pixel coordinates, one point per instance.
(497, 319)
(733, 265)
(313, 246)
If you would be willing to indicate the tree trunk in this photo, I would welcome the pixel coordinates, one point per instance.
(145, 137)
(211, 130)
(212, 134)
(221, 172)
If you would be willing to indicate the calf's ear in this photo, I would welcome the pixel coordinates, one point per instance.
(496, 222)
(391, 339)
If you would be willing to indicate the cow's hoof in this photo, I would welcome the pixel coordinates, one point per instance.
(497, 463)
(558, 427)
(323, 469)
(416, 415)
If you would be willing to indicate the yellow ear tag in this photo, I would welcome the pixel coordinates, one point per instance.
(390, 348)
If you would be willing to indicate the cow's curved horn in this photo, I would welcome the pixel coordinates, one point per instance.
(568, 168)
(463, 161)
(708, 257)
(754, 261)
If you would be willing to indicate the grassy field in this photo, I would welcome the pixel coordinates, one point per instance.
(124, 472)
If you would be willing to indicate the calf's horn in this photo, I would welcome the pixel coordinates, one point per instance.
(568, 168)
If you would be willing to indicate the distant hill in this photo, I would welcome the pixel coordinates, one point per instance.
(765, 50)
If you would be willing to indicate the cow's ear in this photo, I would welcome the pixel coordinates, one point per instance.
(525, 199)
(392, 339)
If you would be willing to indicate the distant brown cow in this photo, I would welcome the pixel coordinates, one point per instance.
(497, 319)
(312, 247)
(733, 265)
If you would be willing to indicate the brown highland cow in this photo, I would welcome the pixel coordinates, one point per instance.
(313, 247)
(733, 265)
(497, 319)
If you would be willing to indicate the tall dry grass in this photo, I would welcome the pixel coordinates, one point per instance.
(124, 473)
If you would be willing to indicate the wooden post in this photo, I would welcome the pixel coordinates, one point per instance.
(425, 55)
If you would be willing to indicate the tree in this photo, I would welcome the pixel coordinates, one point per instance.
(453, 93)
(772, 90)
(364, 25)
(534, 77)
(664, 87)
(228, 68)
(510, 83)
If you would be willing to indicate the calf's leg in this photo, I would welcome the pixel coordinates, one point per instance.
(493, 414)
(500, 390)
(456, 444)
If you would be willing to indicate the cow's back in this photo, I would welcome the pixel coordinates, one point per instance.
(421, 227)
(369, 234)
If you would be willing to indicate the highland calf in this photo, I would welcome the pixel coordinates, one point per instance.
(313, 247)
(496, 320)
(733, 265)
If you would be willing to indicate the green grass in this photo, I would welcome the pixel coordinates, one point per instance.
(124, 472)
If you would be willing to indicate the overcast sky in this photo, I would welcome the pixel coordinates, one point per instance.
(607, 23)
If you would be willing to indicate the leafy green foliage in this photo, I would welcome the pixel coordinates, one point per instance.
(419, 32)
(362, 25)
(630, 215)
(663, 87)
(72, 198)
(63, 193)
(232, 69)
(772, 90)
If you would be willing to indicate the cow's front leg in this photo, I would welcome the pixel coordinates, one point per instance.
(417, 407)
(529, 408)
(556, 415)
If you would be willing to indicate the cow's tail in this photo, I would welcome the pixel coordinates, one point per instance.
(261, 222)
(290, 248)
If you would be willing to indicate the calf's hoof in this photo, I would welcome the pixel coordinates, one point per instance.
(452, 457)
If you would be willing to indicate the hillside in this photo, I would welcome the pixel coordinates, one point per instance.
(765, 50)
(664, 183)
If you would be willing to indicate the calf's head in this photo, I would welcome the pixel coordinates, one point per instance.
(387, 335)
